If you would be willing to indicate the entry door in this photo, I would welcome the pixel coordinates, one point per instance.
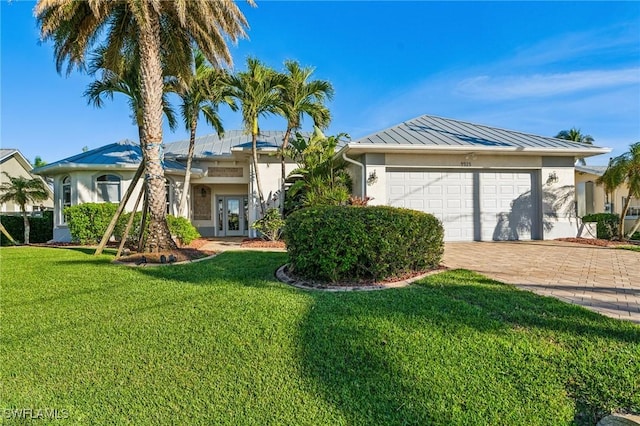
(232, 216)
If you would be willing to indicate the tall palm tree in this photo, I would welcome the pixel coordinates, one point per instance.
(574, 135)
(23, 191)
(258, 91)
(625, 168)
(123, 78)
(165, 32)
(203, 91)
(301, 96)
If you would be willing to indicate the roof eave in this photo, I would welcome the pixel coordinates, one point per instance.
(364, 148)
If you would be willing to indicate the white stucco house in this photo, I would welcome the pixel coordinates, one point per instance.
(482, 182)
(592, 198)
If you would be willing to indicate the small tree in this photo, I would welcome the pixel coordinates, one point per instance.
(624, 168)
(23, 191)
(321, 179)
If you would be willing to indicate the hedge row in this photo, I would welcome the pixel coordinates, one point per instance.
(88, 222)
(606, 224)
(348, 243)
(41, 228)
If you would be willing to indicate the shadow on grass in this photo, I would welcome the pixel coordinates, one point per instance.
(248, 268)
(460, 348)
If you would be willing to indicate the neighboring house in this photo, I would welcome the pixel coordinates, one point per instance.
(592, 198)
(14, 163)
(483, 183)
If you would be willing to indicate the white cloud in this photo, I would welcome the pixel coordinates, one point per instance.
(545, 85)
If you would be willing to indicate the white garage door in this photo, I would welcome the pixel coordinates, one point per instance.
(472, 205)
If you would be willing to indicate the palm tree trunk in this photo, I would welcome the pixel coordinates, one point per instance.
(187, 176)
(27, 228)
(151, 86)
(625, 209)
(254, 152)
(285, 143)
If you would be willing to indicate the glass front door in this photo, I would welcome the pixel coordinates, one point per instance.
(232, 220)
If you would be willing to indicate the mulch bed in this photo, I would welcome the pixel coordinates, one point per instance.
(260, 243)
(184, 254)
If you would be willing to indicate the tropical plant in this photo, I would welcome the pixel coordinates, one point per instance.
(270, 225)
(575, 135)
(622, 169)
(258, 91)
(165, 32)
(202, 91)
(39, 162)
(22, 191)
(299, 97)
(320, 179)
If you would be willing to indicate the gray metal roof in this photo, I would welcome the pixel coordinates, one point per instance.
(123, 154)
(6, 152)
(213, 146)
(446, 134)
(593, 170)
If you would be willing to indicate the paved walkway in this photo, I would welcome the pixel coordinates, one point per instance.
(602, 279)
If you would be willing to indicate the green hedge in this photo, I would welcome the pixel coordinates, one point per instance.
(41, 228)
(351, 244)
(89, 221)
(606, 224)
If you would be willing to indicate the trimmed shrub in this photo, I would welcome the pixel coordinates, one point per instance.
(179, 227)
(351, 244)
(182, 229)
(41, 228)
(606, 224)
(270, 226)
(88, 221)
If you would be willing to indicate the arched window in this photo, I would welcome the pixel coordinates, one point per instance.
(66, 196)
(108, 188)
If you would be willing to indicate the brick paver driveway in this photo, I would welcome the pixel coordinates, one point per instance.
(605, 280)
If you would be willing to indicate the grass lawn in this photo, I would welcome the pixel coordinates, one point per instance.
(629, 247)
(222, 342)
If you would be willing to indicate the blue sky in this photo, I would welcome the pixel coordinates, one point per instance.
(536, 67)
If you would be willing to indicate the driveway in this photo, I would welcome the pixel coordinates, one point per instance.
(602, 279)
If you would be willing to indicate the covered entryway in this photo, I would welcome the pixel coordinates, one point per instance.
(232, 215)
(473, 205)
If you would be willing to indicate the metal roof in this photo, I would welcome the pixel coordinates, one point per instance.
(124, 154)
(592, 170)
(427, 131)
(232, 140)
(6, 152)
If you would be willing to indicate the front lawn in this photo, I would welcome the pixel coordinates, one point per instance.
(222, 342)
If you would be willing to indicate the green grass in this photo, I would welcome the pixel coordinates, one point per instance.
(629, 247)
(222, 342)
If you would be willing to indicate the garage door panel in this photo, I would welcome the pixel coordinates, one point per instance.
(449, 196)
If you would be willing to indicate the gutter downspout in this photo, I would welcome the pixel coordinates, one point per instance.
(349, 160)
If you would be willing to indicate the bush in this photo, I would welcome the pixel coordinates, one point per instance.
(606, 224)
(270, 225)
(182, 229)
(88, 221)
(344, 243)
(41, 228)
(134, 232)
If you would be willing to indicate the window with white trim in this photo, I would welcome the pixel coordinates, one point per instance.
(66, 196)
(634, 206)
(108, 188)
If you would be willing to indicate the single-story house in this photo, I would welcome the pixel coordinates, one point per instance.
(15, 165)
(592, 198)
(482, 182)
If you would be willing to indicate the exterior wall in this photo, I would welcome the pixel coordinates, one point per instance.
(15, 168)
(554, 189)
(616, 197)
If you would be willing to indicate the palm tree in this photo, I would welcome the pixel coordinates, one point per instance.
(23, 191)
(124, 78)
(301, 96)
(205, 89)
(258, 91)
(165, 32)
(574, 135)
(624, 168)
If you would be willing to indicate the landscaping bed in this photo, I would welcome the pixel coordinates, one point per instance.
(262, 243)
(593, 242)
